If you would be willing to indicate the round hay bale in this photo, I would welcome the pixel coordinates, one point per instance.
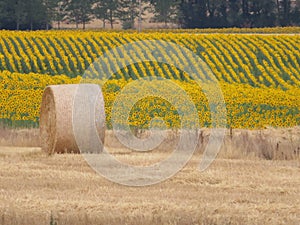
(56, 118)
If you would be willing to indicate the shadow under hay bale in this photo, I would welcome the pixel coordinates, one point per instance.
(57, 122)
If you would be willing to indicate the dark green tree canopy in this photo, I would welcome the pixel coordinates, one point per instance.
(165, 11)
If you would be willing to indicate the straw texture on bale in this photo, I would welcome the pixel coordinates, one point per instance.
(58, 128)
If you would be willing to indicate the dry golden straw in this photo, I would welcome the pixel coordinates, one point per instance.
(56, 119)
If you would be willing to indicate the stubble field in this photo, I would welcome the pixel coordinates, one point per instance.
(62, 189)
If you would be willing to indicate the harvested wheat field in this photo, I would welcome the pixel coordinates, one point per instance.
(63, 189)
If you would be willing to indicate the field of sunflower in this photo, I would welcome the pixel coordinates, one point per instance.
(258, 74)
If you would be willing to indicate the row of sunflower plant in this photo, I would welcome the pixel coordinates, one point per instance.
(247, 107)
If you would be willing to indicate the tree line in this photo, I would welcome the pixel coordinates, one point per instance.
(42, 14)
(239, 13)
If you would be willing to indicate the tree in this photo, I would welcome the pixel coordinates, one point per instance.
(19, 13)
(60, 12)
(283, 12)
(194, 13)
(278, 7)
(128, 12)
(100, 12)
(288, 12)
(165, 10)
(217, 13)
(12, 13)
(106, 10)
(245, 10)
(262, 13)
(80, 11)
(295, 13)
(286, 6)
(234, 18)
(50, 7)
(22, 14)
(35, 13)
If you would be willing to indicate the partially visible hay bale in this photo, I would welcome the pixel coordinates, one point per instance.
(57, 112)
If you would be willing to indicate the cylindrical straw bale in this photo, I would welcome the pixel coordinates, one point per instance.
(66, 120)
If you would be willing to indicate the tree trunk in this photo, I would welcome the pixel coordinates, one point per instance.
(77, 24)
(111, 19)
(208, 6)
(211, 9)
(278, 6)
(245, 6)
(286, 8)
(83, 25)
